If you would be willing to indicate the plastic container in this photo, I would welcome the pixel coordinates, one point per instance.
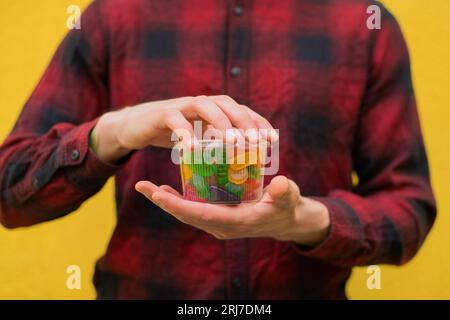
(214, 172)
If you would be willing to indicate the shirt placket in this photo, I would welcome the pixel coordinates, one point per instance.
(237, 74)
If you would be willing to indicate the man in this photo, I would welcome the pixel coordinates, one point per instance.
(340, 94)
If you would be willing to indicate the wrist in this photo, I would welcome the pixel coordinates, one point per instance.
(103, 139)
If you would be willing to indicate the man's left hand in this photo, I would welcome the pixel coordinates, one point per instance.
(282, 213)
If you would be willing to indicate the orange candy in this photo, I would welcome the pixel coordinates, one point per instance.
(253, 184)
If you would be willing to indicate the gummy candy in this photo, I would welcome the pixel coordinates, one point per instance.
(222, 174)
(234, 189)
(204, 170)
(187, 172)
(212, 180)
(219, 180)
(200, 185)
(253, 172)
(253, 184)
(218, 194)
(248, 159)
(189, 193)
(238, 177)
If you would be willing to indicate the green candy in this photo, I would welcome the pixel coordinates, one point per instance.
(194, 159)
(234, 189)
(222, 174)
(253, 172)
(200, 186)
(222, 169)
(203, 169)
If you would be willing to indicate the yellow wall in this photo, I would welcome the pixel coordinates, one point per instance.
(33, 261)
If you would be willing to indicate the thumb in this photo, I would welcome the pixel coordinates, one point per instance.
(282, 190)
(147, 188)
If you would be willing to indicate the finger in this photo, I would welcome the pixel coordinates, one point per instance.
(238, 115)
(278, 187)
(252, 135)
(147, 188)
(281, 190)
(199, 213)
(273, 136)
(235, 136)
(261, 122)
(265, 127)
(175, 121)
(171, 190)
(168, 198)
(208, 111)
(211, 133)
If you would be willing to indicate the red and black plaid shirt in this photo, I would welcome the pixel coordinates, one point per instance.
(340, 94)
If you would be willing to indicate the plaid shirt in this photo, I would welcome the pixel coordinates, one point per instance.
(340, 94)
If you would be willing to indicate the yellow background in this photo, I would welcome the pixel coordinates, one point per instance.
(33, 261)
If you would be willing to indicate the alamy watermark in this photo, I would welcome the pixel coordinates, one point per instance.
(374, 279)
(374, 20)
(74, 20)
(73, 281)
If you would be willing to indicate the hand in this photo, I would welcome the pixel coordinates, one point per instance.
(282, 213)
(152, 123)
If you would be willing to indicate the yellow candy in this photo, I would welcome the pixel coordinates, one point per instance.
(187, 172)
(234, 165)
(238, 167)
(238, 177)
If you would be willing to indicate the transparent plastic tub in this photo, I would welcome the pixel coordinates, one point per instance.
(216, 172)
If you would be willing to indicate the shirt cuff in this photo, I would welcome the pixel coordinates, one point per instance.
(82, 166)
(345, 233)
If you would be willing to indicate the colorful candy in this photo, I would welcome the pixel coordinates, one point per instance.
(234, 189)
(253, 184)
(241, 161)
(200, 185)
(191, 194)
(222, 174)
(238, 177)
(253, 172)
(218, 194)
(229, 182)
(186, 172)
(204, 170)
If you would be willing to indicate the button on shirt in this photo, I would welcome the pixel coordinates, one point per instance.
(235, 71)
(238, 10)
(340, 94)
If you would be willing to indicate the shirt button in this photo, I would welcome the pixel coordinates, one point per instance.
(36, 182)
(238, 11)
(236, 282)
(235, 71)
(75, 155)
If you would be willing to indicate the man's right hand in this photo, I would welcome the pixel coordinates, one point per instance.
(152, 123)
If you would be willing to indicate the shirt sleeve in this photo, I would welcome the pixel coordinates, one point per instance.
(387, 216)
(46, 166)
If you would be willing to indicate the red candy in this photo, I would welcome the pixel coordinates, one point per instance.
(190, 194)
(253, 184)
